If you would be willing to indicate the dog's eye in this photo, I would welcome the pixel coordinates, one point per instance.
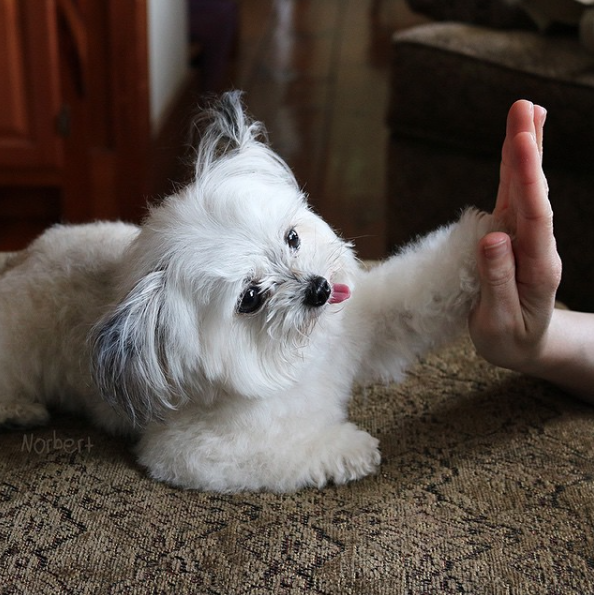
(252, 300)
(293, 240)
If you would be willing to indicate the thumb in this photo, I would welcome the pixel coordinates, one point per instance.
(497, 273)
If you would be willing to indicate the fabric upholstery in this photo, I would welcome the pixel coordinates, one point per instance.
(451, 87)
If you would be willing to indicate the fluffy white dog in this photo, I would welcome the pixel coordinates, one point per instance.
(227, 331)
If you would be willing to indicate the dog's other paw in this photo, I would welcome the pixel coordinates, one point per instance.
(22, 415)
(348, 454)
(194, 458)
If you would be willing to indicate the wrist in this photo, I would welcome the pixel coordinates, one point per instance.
(538, 357)
(558, 352)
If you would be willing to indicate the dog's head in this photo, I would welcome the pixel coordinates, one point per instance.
(232, 285)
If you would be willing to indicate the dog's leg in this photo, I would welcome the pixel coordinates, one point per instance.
(22, 414)
(419, 298)
(18, 408)
(282, 457)
(338, 454)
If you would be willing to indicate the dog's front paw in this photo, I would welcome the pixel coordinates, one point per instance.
(196, 458)
(473, 225)
(348, 455)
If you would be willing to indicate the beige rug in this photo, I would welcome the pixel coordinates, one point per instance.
(486, 486)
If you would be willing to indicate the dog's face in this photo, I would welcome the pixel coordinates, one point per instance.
(231, 286)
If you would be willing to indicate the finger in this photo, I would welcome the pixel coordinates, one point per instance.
(502, 200)
(528, 192)
(520, 118)
(496, 267)
(538, 265)
(540, 116)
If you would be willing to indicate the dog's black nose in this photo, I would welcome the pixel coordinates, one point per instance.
(318, 292)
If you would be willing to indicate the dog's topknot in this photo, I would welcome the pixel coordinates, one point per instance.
(225, 127)
(231, 143)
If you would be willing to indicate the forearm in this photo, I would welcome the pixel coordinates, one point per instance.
(567, 355)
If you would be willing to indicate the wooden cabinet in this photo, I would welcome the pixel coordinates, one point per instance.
(29, 92)
(75, 135)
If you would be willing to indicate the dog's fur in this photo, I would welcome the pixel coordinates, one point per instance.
(211, 333)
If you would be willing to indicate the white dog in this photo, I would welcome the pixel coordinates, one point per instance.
(227, 331)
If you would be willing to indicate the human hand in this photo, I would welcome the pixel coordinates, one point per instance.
(520, 272)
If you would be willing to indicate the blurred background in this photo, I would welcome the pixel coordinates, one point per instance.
(97, 99)
(391, 113)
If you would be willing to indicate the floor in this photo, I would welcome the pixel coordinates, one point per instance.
(316, 73)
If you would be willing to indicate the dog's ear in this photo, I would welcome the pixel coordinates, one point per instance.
(129, 353)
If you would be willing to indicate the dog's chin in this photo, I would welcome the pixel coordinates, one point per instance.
(258, 373)
(262, 378)
(263, 357)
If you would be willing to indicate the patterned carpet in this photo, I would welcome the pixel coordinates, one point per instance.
(486, 486)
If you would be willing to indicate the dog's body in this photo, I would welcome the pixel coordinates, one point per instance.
(228, 330)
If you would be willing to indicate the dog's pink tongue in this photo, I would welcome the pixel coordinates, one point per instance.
(340, 293)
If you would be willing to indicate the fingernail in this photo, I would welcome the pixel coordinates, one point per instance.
(496, 249)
